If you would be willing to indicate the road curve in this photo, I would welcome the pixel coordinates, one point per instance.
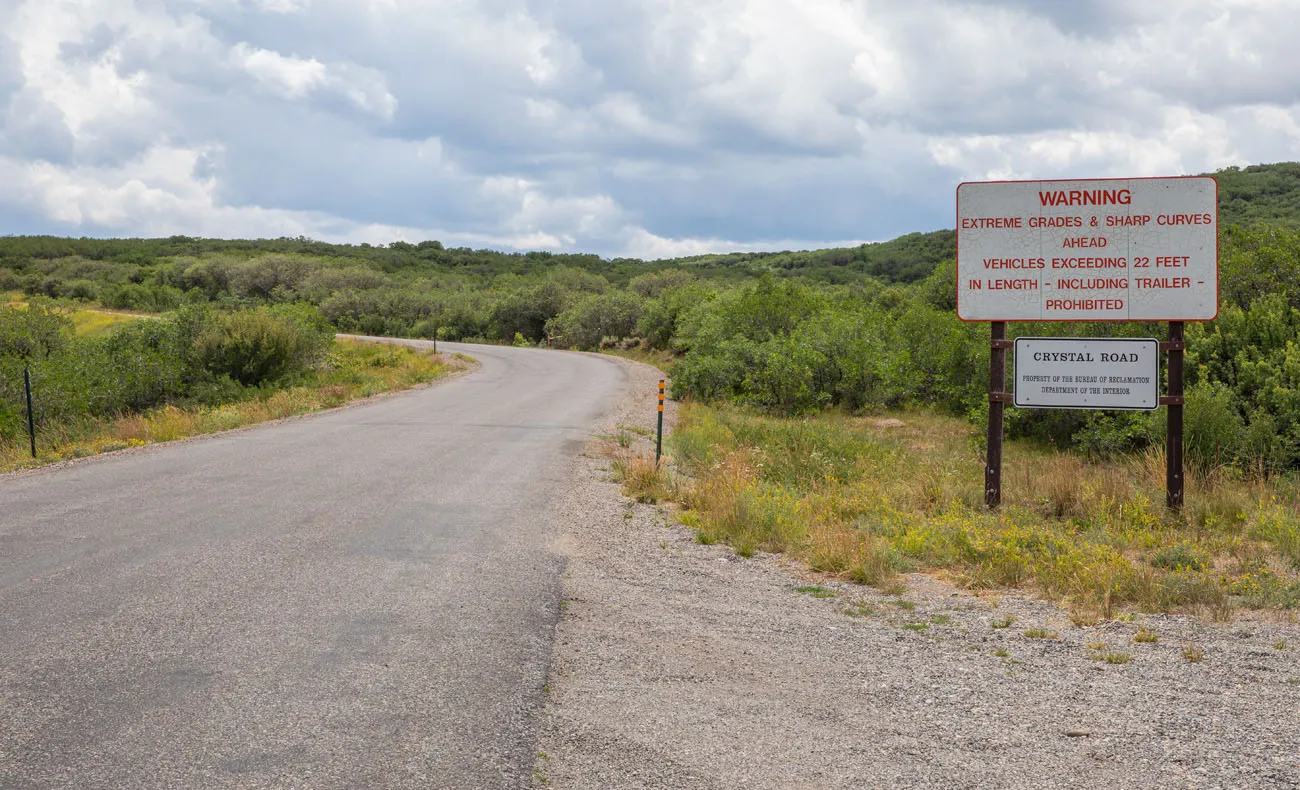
(363, 598)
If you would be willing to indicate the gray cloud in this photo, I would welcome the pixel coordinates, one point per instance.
(612, 127)
(1099, 19)
(34, 130)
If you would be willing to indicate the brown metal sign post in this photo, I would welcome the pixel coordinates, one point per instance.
(1174, 415)
(998, 398)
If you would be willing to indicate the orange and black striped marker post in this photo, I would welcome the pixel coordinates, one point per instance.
(659, 435)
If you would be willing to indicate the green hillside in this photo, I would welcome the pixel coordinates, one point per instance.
(1247, 196)
(1259, 193)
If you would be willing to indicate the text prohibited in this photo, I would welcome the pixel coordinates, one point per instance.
(1142, 249)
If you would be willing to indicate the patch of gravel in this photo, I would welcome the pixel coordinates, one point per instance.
(679, 665)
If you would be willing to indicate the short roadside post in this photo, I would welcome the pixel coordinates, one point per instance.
(659, 432)
(31, 421)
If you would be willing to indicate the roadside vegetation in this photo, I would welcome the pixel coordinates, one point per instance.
(833, 406)
(868, 497)
(862, 329)
(108, 384)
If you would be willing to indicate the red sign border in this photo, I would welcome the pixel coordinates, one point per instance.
(957, 270)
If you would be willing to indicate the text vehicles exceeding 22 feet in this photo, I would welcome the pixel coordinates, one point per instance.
(1142, 249)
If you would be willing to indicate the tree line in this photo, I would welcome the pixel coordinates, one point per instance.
(862, 328)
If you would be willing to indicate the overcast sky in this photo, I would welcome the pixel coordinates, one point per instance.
(620, 127)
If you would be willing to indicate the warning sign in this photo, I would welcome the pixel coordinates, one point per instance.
(1143, 249)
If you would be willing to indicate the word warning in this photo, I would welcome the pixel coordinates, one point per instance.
(1142, 249)
(1094, 373)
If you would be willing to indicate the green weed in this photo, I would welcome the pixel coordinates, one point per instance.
(347, 376)
(867, 499)
(1179, 557)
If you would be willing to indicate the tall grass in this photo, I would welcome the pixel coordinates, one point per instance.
(354, 370)
(866, 498)
(96, 323)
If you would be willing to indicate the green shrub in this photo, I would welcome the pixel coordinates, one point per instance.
(1180, 557)
(1107, 435)
(1213, 428)
(253, 347)
(594, 318)
(37, 330)
(662, 314)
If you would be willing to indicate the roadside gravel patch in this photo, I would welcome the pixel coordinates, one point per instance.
(679, 665)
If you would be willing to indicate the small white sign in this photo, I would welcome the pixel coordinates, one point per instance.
(1093, 373)
(1140, 249)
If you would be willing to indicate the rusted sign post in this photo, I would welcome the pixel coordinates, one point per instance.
(1142, 249)
(1173, 403)
(998, 400)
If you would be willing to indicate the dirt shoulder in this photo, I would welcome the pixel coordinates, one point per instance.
(678, 665)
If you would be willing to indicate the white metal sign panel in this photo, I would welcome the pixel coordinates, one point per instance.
(1142, 249)
(1094, 373)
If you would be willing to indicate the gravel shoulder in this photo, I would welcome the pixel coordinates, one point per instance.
(678, 665)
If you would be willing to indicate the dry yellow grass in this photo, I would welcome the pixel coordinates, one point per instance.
(93, 323)
(643, 480)
(866, 497)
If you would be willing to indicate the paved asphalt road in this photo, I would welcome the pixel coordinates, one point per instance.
(360, 599)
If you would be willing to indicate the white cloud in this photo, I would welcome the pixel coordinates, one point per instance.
(296, 78)
(87, 93)
(636, 127)
(289, 76)
(283, 6)
(640, 243)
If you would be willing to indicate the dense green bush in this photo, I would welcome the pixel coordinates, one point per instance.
(661, 314)
(146, 298)
(595, 317)
(527, 308)
(253, 347)
(138, 366)
(193, 355)
(789, 348)
(33, 332)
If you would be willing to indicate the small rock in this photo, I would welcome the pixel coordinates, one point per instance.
(1077, 733)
